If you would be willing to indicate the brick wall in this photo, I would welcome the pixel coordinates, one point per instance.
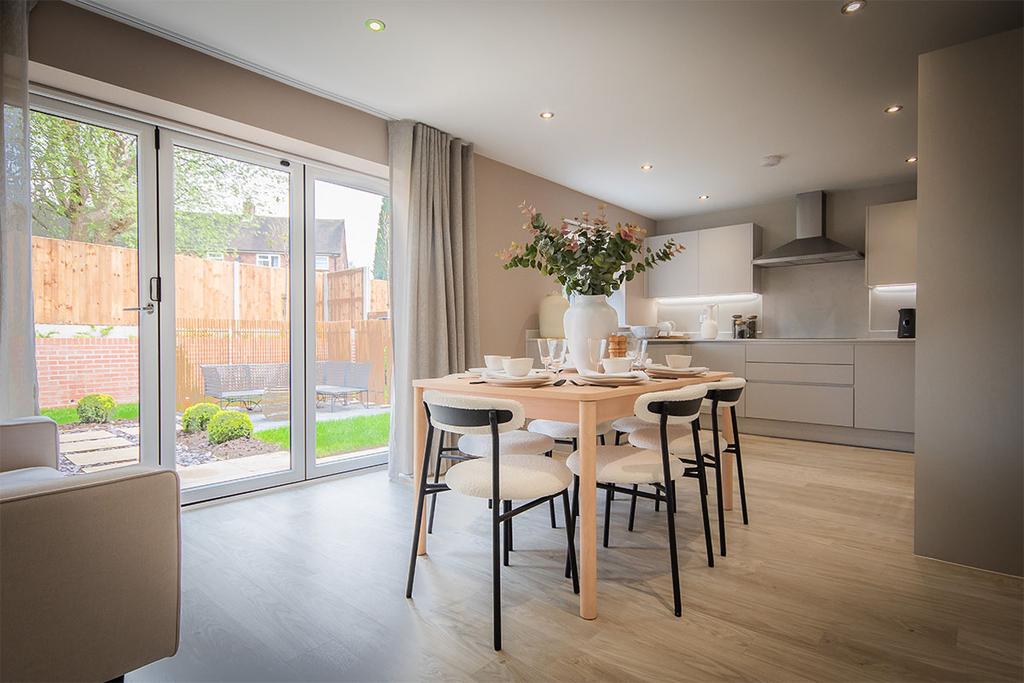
(71, 368)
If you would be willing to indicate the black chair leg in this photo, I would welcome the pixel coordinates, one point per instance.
(419, 514)
(702, 478)
(739, 464)
(609, 495)
(600, 439)
(573, 513)
(669, 505)
(496, 573)
(551, 503)
(507, 507)
(437, 476)
(618, 437)
(570, 537)
(718, 481)
(632, 507)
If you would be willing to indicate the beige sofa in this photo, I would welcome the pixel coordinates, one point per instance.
(90, 565)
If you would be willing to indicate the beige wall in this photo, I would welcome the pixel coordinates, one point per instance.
(824, 300)
(509, 298)
(969, 471)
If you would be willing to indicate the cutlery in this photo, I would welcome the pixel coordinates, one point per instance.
(553, 384)
(479, 382)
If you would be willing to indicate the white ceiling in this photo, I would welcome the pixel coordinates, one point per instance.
(702, 90)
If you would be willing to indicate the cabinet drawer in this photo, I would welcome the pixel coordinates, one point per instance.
(800, 373)
(800, 403)
(763, 352)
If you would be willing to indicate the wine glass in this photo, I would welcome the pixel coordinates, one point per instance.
(552, 353)
(636, 350)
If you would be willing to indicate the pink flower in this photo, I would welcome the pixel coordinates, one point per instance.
(566, 228)
(573, 245)
(631, 233)
(511, 252)
(528, 209)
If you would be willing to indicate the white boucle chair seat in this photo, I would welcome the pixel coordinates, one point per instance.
(563, 430)
(679, 443)
(519, 441)
(439, 398)
(522, 477)
(628, 465)
(629, 424)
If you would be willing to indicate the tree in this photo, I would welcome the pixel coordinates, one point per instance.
(382, 249)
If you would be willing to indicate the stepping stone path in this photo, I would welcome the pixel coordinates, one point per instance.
(97, 449)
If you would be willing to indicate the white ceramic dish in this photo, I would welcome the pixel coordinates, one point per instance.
(537, 380)
(645, 331)
(677, 361)
(494, 362)
(616, 365)
(634, 377)
(666, 371)
(517, 367)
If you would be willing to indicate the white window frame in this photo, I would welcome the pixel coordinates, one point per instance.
(326, 262)
(271, 260)
(214, 256)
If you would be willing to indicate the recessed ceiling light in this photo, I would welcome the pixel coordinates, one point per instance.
(893, 108)
(704, 197)
(852, 6)
(547, 114)
(375, 25)
(911, 160)
(646, 167)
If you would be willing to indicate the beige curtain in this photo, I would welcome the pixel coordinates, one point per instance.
(433, 268)
(18, 390)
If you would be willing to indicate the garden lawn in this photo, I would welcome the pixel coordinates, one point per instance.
(338, 436)
(67, 415)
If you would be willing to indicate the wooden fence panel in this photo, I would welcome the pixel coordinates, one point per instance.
(344, 292)
(380, 301)
(204, 289)
(373, 345)
(82, 283)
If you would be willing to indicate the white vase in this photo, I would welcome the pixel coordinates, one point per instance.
(552, 315)
(588, 320)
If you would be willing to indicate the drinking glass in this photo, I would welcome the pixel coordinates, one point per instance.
(636, 350)
(552, 353)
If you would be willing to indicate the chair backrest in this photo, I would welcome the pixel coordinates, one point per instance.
(460, 414)
(334, 372)
(678, 406)
(228, 377)
(358, 375)
(726, 392)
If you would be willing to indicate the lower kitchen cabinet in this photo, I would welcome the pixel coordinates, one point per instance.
(813, 404)
(884, 387)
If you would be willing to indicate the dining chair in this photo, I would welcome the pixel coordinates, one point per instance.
(501, 478)
(620, 466)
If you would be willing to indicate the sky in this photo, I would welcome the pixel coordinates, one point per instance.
(360, 210)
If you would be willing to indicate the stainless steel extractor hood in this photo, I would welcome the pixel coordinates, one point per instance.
(810, 245)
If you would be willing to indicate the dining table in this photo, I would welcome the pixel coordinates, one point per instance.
(586, 404)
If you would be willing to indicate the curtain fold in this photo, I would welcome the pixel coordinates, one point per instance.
(18, 389)
(433, 268)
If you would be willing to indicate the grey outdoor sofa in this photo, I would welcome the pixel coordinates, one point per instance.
(243, 383)
(340, 379)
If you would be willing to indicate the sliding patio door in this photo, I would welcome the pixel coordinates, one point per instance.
(95, 283)
(232, 242)
(348, 321)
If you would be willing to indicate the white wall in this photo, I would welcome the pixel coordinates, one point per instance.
(969, 476)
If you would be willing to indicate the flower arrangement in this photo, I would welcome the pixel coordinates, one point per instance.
(586, 255)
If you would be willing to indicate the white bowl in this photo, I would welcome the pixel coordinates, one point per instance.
(677, 362)
(517, 367)
(617, 364)
(494, 362)
(644, 331)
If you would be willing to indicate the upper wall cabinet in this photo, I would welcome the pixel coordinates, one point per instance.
(678, 277)
(726, 254)
(890, 244)
(716, 261)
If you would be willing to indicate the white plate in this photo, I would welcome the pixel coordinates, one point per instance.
(614, 379)
(666, 371)
(477, 371)
(529, 381)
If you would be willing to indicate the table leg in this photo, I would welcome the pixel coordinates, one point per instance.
(728, 459)
(419, 439)
(588, 510)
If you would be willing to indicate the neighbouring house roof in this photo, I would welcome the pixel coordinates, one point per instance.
(269, 236)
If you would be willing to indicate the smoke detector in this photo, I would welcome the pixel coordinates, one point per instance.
(770, 160)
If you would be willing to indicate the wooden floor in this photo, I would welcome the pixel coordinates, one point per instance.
(307, 583)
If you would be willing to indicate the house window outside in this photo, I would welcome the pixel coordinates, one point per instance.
(270, 260)
(323, 262)
(215, 256)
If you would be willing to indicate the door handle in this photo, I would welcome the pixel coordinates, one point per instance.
(148, 308)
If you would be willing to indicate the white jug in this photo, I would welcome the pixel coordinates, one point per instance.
(709, 322)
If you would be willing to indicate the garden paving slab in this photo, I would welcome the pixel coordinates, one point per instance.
(94, 444)
(108, 466)
(131, 453)
(71, 437)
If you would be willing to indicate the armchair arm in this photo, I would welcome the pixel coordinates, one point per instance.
(28, 442)
(91, 579)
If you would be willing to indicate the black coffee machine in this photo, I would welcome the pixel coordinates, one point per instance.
(906, 328)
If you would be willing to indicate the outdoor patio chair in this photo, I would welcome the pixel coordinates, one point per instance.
(228, 384)
(341, 379)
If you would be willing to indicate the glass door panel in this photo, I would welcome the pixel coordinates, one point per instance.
(234, 268)
(93, 271)
(348, 322)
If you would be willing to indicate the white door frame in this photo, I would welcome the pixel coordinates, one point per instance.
(297, 262)
(147, 254)
(356, 181)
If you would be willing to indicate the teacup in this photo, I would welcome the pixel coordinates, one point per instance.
(494, 362)
(517, 367)
(678, 362)
(615, 365)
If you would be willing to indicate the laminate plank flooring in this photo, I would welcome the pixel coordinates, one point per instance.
(307, 583)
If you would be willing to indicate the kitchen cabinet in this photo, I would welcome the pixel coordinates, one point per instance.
(678, 277)
(814, 404)
(801, 382)
(884, 387)
(809, 352)
(890, 244)
(725, 257)
(728, 357)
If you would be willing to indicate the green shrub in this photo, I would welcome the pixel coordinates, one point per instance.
(197, 417)
(227, 425)
(95, 408)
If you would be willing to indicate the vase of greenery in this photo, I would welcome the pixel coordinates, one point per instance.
(591, 260)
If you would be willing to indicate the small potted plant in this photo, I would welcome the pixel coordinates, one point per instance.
(591, 260)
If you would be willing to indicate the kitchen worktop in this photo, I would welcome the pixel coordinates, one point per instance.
(729, 340)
